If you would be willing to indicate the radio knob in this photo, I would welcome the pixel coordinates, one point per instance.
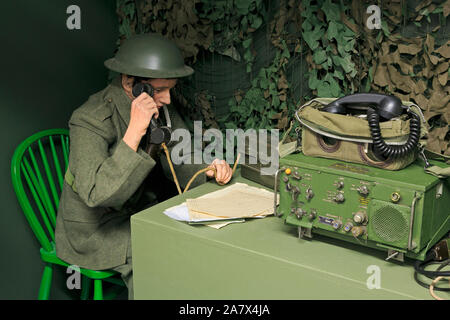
(300, 213)
(339, 197)
(360, 217)
(309, 194)
(358, 231)
(295, 192)
(348, 226)
(296, 176)
(363, 190)
(312, 215)
(337, 224)
(285, 179)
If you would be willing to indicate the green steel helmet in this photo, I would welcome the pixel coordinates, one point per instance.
(149, 56)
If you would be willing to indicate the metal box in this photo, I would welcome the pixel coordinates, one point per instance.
(251, 168)
(253, 172)
(402, 212)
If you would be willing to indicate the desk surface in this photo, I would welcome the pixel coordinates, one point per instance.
(257, 259)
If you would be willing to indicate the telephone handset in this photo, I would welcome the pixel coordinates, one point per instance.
(140, 87)
(157, 133)
(387, 107)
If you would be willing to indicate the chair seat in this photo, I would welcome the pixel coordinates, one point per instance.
(50, 256)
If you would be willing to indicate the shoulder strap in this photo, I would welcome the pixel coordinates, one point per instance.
(287, 148)
(436, 170)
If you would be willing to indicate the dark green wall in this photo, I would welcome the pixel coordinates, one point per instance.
(46, 72)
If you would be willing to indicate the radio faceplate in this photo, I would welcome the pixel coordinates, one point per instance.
(404, 211)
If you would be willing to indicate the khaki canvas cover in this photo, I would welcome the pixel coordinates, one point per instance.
(347, 137)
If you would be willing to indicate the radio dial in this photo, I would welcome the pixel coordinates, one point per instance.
(339, 198)
(348, 226)
(358, 231)
(300, 213)
(360, 217)
(309, 194)
(295, 192)
(363, 190)
(337, 224)
(296, 176)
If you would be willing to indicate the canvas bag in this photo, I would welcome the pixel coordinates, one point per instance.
(348, 138)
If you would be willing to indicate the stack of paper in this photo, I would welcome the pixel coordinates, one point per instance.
(228, 205)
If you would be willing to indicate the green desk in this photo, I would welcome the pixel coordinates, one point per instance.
(257, 259)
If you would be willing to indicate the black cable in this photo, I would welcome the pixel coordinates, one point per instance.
(443, 264)
(419, 268)
(427, 286)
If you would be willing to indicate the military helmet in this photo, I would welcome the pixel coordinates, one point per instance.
(149, 56)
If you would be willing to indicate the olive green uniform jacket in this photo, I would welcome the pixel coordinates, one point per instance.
(93, 220)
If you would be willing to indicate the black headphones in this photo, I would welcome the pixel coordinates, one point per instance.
(158, 133)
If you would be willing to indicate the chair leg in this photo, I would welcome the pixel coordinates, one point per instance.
(46, 282)
(85, 288)
(98, 291)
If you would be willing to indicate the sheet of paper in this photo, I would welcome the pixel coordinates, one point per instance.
(236, 201)
(221, 225)
(181, 212)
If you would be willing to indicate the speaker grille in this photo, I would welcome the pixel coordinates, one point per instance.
(389, 224)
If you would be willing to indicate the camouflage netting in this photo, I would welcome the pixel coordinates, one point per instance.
(257, 60)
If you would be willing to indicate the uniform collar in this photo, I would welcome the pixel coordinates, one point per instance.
(120, 99)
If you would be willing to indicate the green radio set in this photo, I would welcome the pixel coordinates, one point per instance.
(403, 211)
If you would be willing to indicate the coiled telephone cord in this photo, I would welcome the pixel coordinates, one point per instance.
(393, 151)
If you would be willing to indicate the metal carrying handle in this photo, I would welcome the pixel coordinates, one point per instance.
(275, 191)
(411, 221)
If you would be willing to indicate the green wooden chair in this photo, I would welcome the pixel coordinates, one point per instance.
(38, 192)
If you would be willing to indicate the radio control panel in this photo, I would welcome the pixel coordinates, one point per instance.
(402, 211)
(335, 203)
